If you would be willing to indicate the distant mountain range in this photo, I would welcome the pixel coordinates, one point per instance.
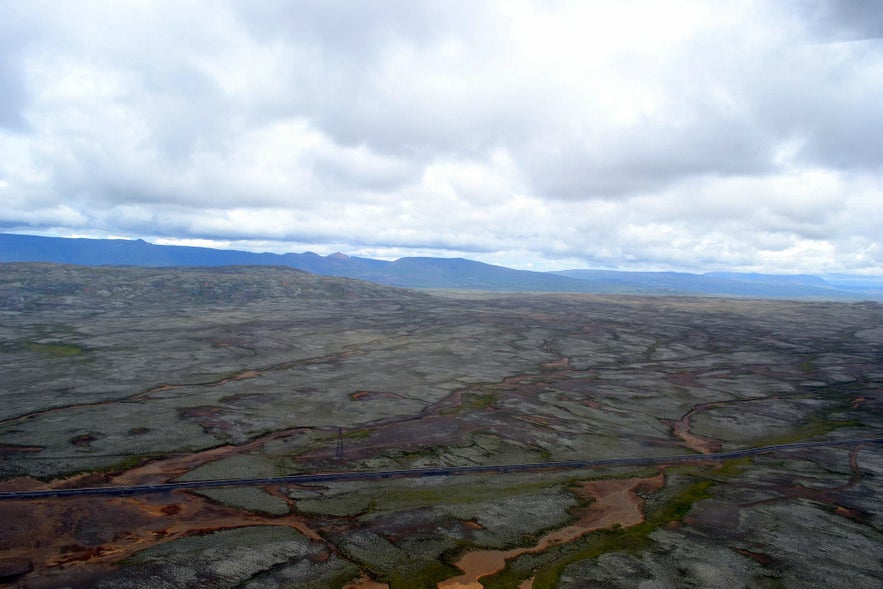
(450, 273)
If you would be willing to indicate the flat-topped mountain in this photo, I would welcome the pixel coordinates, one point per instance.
(451, 273)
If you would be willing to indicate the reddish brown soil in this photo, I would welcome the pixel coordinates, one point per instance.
(832, 496)
(681, 429)
(72, 536)
(6, 449)
(83, 441)
(759, 557)
(684, 379)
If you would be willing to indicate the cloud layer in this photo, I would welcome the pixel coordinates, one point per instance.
(688, 135)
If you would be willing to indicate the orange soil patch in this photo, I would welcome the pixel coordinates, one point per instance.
(75, 535)
(562, 364)
(701, 444)
(615, 502)
(244, 375)
(853, 514)
(71, 536)
(681, 429)
(167, 469)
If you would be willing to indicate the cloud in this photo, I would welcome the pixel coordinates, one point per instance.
(618, 134)
(844, 20)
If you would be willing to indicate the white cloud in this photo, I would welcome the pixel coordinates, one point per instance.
(544, 135)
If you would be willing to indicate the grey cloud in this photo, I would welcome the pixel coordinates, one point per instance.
(354, 33)
(16, 32)
(826, 101)
(12, 88)
(366, 75)
(843, 20)
(360, 170)
(648, 159)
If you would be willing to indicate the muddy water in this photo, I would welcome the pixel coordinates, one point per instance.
(615, 502)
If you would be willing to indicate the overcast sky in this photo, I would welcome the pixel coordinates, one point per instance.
(539, 135)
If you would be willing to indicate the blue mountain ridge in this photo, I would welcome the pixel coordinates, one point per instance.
(429, 272)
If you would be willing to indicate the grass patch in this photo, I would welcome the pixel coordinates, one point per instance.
(55, 350)
(125, 464)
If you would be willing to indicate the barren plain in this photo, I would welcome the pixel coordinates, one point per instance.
(122, 376)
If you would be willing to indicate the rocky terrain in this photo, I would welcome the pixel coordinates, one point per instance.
(116, 376)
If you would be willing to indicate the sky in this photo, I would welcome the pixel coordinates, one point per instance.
(632, 135)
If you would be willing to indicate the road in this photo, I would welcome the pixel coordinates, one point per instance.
(300, 479)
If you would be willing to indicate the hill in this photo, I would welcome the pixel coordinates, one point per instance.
(25, 285)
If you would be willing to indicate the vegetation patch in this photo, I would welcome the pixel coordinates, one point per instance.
(473, 402)
(248, 498)
(55, 350)
(548, 565)
(815, 427)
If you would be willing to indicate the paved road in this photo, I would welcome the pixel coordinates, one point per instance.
(299, 479)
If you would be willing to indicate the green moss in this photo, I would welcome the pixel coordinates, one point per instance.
(55, 350)
(427, 576)
(808, 367)
(403, 569)
(348, 573)
(359, 434)
(401, 495)
(415, 497)
(473, 402)
(815, 427)
(127, 463)
(734, 466)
